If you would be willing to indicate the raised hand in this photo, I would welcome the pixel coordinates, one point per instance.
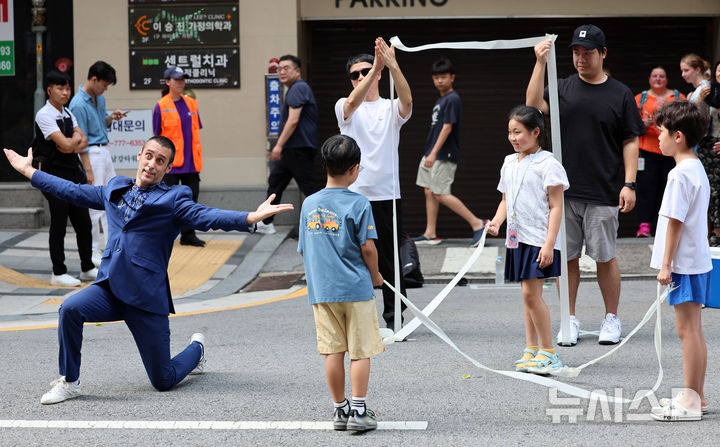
(542, 50)
(21, 164)
(267, 209)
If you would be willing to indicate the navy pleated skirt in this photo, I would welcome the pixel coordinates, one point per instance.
(521, 263)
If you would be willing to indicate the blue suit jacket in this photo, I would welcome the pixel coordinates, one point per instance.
(137, 253)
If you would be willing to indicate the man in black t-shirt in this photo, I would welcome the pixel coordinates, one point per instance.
(293, 155)
(436, 172)
(599, 126)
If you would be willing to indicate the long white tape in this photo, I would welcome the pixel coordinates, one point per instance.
(435, 302)
(545, 381)
(475, 45)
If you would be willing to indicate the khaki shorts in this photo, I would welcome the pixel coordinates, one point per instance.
(350, 327)
(596, 225)
(437, 179)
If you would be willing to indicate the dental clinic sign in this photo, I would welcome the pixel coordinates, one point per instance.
(7, 39)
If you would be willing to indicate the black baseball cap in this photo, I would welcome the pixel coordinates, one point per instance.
(175, 73)
(588, 36)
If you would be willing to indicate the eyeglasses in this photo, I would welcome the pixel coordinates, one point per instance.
(359, 168)
(355, 75)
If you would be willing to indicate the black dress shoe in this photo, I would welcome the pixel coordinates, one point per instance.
(192, 240)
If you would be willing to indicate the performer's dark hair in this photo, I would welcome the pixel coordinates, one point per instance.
(164, 142)
(339, 153)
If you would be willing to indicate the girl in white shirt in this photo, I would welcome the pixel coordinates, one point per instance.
(681, 251)
(532, 182)
(692, 69)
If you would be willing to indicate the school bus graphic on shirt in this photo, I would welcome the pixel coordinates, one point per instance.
(321, 220)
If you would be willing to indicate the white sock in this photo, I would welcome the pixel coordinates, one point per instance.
(345, 405)
(358, 404)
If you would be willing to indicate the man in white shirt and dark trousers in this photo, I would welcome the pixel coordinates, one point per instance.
(58, 141)
(373, 123)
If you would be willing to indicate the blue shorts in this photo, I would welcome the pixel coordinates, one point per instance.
(690, 289)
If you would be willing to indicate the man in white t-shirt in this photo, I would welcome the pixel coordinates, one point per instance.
(375, 122)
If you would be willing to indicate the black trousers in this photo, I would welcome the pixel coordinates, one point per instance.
(383, 215)
(651, 185)
(191, 179)
(295, 163)
(60, 210)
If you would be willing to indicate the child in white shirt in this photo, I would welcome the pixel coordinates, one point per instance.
(532, 182)
(681, 251)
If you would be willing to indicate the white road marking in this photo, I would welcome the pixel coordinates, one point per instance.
(202, 425)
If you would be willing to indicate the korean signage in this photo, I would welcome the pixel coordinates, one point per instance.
(7, 38)
(183, 25)
(273, 100)
(127, 137)
(206, 67)
(200, 37)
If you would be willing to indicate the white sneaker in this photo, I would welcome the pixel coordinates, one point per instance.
(610, 330)
(574, 330)
(265, 228)
(90, 275)
(61, 390)
(199, 338)
(64, 280)
(97, 257)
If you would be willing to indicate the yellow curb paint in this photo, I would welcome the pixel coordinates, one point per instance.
(53, 301)
(16, 278)
(297, 294)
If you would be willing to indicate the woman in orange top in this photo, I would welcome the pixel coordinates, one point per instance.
(176, 116)
(653, 166)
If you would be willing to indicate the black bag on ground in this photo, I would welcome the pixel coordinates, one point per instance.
(410, 262)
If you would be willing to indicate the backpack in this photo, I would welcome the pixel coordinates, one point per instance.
(644, 95)
(410, 262)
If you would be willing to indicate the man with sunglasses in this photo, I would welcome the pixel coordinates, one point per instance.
(294, 153)
(375, 123)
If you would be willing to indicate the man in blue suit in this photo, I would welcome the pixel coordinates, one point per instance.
(144, 218)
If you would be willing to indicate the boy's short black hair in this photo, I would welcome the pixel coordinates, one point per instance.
(294, 59)
(103, 71)
(56, 77)
(686, 117)
(163, 142)
(339, 153)
(443, 66)
(370, 59)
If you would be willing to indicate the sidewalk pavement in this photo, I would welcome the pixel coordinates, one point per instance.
(237, 269)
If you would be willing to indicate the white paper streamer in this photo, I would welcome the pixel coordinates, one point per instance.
(548, 382)
(440, 297)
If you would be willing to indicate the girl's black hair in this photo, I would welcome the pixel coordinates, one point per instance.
(531, 118)
(339, 153)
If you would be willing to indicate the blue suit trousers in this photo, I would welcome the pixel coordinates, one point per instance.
(151, 332)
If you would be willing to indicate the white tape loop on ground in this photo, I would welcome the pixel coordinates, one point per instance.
(545, 381)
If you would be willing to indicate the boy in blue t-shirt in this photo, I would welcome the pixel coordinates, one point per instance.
(337, 233)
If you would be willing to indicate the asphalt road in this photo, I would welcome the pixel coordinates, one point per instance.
(263, 366)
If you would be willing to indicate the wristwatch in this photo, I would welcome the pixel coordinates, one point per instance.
(631, 185)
